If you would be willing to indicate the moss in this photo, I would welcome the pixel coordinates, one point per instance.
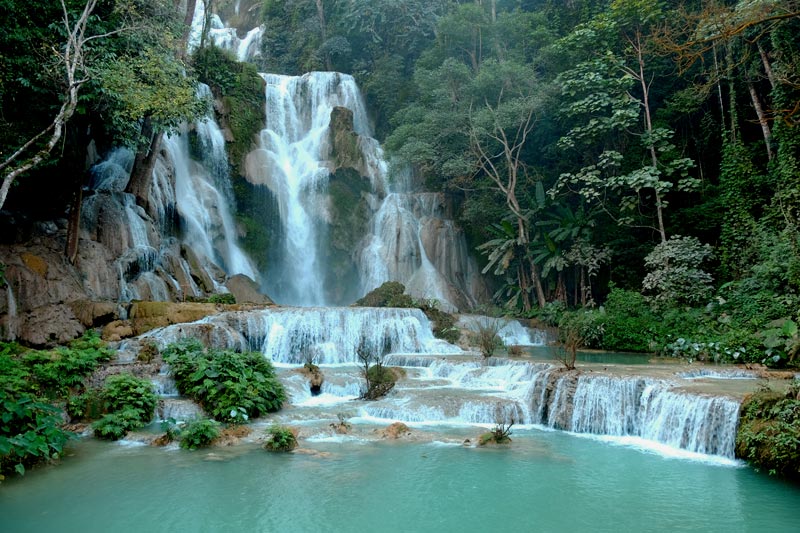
(241, 90)
(349, 219)
(391, 294)
(344, 140)
(257, 220)
(381, 296)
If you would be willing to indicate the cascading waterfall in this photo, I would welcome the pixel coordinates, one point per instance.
(412, 241)
(204, 197)
(331, 335)
(510, 331)
(290, 161)
(646, 408)
(245, 49)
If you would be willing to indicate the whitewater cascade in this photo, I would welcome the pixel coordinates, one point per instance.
(191, 186)
(444, 385)
(408, 238)
(511, 332)
(204, 195)
(329, 335)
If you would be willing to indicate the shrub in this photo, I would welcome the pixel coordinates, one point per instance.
(629, 324)
(487, 338)
(129, 403)
(381, 296)
(379, 379)
(30, 432)
(30, 426)
(199, 433)
(114, 426)
(56, 371)
(281, 439)
(124, 392)
(676, 276)
(231, 386)
(225, 298)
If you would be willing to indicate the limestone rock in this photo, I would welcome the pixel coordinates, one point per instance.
(343, 140)
(395, 431)
(49, 325)
(145, 316)
(245, 290)
(93, 314)
(198, 273)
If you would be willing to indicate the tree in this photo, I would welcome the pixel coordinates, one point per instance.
(73, 63)
(676, 275)
(601, 98)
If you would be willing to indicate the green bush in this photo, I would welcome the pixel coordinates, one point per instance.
(380, 297)
(281, 439)
(56, 371)
(231, 386)
(114, 426)
(124, 392)
(30, 381)
(199, 433)
(226, 298)
(129, 403)
(629, 324)
(30, 432)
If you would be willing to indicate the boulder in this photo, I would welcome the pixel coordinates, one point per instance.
(92, 314)
(245, 290)
(395, 431)
(49, 325)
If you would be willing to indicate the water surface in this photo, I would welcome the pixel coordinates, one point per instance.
(546, 481)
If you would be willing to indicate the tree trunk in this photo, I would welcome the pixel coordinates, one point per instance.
(762, 119)
(767, 65)
(142, 173)
(187, 26)
(74, 226)
(649, 128)
(537, 284)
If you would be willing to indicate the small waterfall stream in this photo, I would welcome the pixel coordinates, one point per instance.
(10, 329)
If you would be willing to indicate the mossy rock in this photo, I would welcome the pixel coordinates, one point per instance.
(381, 296)
(769, 433)
(345, 151)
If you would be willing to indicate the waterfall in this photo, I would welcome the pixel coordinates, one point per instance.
(290, 160)
(510, 331)
(204, 196)
(327, 336)
(245, 49)
(642, 407)
(411, 241)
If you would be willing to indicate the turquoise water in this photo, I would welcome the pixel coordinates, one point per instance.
(545, 353)
(546, 481)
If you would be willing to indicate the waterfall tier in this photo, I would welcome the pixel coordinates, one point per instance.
(325, 336)
(446, 386)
